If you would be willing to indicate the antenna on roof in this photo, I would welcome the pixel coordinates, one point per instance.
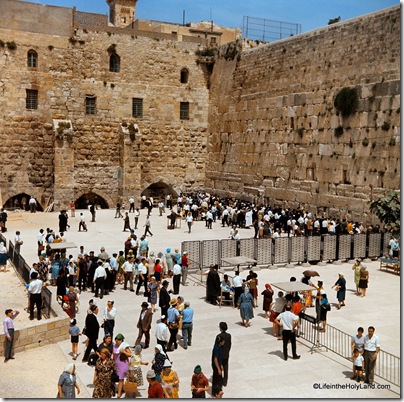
(211, 20)
(183, 17)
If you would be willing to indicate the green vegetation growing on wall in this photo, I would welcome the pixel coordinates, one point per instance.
(338, 131)
(346, 101)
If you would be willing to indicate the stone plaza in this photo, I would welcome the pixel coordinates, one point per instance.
(257, 369)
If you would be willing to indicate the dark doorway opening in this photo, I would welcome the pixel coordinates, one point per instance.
(159, 191)
(20, 201)
(89, 199)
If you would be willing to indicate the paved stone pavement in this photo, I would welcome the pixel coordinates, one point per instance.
(257, 369)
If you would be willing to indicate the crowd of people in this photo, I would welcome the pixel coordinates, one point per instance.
(266, 221)
(138, 269)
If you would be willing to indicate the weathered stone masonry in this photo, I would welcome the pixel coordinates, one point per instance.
(100, 158)
(261, 126)
(272, 120)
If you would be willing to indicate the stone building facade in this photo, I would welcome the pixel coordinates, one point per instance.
(90, 108)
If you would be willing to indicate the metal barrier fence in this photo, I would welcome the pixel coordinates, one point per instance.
(288, 249)
(23, 270)
(339, 342)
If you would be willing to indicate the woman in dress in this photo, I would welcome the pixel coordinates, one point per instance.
(67, 384)
(135, 363)
(357, 269)
(153, 287)
(363, 280)
(158, 270)
(121, 353)
(169, 261)
(151, 260)
(73, 299)
(158, 362)
(55, 269)
(340, 287)
(267, 299)
(171, 382)
(324, 306)
(102, 375)
(253, 283)
(245, 304)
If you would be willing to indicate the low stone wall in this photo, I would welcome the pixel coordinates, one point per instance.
(39, 333)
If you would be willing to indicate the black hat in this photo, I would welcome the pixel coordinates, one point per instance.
(145, 304)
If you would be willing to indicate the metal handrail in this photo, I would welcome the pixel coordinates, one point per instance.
(333, 339)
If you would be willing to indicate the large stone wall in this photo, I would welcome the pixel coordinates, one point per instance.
(272, 118)
(100, 158)
(262, 126)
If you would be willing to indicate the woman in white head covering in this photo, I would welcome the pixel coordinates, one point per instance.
(3, 257)
(159, 359)
(67, 383)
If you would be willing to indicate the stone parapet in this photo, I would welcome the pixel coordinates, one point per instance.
(39, 333)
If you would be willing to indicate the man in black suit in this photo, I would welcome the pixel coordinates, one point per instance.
(225, 351)
(164, 300)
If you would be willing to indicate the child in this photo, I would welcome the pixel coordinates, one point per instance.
(74, 332)
(358, 363)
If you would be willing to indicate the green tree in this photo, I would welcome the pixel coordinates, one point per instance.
(387, 209)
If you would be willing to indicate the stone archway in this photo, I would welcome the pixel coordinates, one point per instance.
(90, 198)
(20, 201)
(159, 190)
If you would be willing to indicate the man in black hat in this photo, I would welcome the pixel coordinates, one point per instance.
(144, 324)
(164, 299)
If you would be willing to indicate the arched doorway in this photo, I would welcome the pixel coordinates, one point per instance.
(89, 199)
(159, 191)
(20, 201)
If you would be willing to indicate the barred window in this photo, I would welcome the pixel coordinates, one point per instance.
(137, 107)
(32, 59)
(91, 105)
(32, 99)
(114, 63)
(184, 111)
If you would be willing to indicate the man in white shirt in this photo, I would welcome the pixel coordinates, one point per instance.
(176, 278)
(99, 278)
(162, 333)
(137, 214)
(189, 220)
(289, 322)
(32, 204)
(372, 349)
(128, 269)
(142, 276)
(238, 287)
(35, 299)
(109, 318)
(131, 204)
(161, 208)
(209, 219)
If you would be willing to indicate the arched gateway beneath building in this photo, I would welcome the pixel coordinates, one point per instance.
(159, 191)
(91, 198)
(20, 201)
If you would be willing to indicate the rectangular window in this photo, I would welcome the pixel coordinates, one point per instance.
(32, 99)
(91, 105)
(137, 107)
(184, 111)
